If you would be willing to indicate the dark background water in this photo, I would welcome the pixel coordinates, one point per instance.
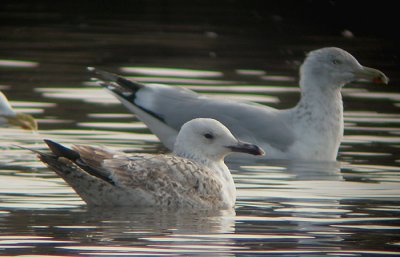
(267, 24)
(283, 208)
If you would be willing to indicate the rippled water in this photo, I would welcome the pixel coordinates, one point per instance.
(348, 208)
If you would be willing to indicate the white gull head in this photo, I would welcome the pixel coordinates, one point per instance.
(5, 107)
(333, 67)
(207, 140)
(317, 120)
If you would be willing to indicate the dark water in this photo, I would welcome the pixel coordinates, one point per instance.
(232, 49)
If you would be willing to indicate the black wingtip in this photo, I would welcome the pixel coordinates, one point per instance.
(103, 75)
(62, 151)
(118, 83)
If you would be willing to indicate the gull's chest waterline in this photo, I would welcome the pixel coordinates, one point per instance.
(228, 192)
(317, 122)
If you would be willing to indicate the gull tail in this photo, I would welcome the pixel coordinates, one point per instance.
(44, 157)
(57, 151)
(90, 184)
(63, 167)
(62, 151)
(62, 160)
(118, 85)
(53, 159)
(126, 92)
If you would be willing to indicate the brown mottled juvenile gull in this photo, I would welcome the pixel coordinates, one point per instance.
(8, 117)
(194, 176)
(312, 130)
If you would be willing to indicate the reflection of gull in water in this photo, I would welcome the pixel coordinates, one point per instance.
(300, 195)
(130, 231)
(194, 177)
(9, 117)
(293, 170)
(313, 170)
(184, 221)
(311, 130)
(192, 232)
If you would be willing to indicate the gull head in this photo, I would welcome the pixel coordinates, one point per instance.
(334, 67)
(205, 139)
(9, 117)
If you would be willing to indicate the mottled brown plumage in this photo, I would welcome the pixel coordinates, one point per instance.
(139, 180)
(195, 176)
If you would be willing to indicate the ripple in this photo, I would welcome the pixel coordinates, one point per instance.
(250, 72)
(110, 115)
(376, 95)
(179, 80)
(18, 64)
(290, 209)
(278, 78)
(112, 125)
(369, 227)
(155, 71)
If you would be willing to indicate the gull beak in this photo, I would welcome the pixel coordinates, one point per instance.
(23, 120)
(370, 74)
(243, 147)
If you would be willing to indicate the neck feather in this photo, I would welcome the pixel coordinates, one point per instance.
(320, 112)
(207, 161)
(320, 95)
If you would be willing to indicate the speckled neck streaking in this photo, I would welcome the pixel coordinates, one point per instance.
(318, 118)
(221, 172)
(214, 162)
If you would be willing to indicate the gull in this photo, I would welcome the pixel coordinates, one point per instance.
(311, 130)
(194, 176)
(8, 117)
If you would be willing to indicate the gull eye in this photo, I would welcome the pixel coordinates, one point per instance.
(336, 61)
(208, 136)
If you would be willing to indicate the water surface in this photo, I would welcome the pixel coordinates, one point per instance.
(347, 208)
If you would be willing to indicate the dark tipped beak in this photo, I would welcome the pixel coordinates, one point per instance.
(373, 75)
(242, 147)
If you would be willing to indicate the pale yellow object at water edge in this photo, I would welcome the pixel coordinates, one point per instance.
(8, 117)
